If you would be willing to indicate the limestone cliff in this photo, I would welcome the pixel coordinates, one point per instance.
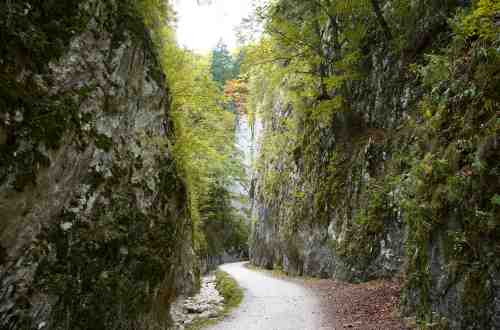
(403, 181)
(94, 228)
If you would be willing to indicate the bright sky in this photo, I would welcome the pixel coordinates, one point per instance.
(200, 27)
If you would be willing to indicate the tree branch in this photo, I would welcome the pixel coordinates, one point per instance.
(381, 19)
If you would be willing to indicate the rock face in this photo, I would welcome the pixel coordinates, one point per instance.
(207, 304)
(95, 232)
(398, 184)
(310, 223)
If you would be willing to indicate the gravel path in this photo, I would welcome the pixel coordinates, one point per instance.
(271, 303)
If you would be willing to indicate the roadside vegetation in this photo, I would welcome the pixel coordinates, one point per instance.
(233, 296)
(204, 122)
(230, 290)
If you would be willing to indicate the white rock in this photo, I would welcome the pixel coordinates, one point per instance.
(208, 303)
(66, 226)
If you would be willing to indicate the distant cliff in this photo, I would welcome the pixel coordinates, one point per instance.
(94, 227)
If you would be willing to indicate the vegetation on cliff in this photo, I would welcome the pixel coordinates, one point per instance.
(114, 142)
(204, 144)
(380, 156)
(381, 141)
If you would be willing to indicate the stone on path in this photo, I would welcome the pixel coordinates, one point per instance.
(208, 303)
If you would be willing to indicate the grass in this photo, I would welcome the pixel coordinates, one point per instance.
(232, 293)
(229, 289)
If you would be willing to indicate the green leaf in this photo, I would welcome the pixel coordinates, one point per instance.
(495, 200)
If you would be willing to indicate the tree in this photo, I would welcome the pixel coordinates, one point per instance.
(238, 60)
(224, 229)
(236, 92)
(222, 64)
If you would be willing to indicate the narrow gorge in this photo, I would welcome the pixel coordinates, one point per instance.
(351, 140)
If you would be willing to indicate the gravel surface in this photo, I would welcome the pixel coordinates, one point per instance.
(281, 303)
(271, 303)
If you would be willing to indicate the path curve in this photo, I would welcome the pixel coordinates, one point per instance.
(270, 303)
